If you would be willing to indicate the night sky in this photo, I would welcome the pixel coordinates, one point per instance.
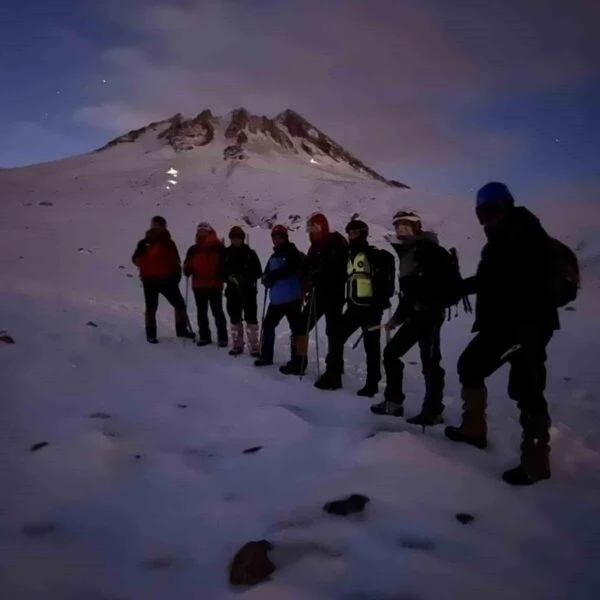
(440, 94)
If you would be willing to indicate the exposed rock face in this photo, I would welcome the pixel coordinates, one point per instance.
(288, 132)
(186, 135)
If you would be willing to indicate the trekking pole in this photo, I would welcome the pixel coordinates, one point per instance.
(311, 307)
(317, 341)
(262, 321)
(187, 316)
(365, 330)
(387, 331)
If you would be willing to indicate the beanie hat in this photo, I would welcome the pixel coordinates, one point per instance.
(358, 225)
(237, 232)
(281, 231)
(319, 220)
(495, 194)
(158, 220)
(407, 215)
(203, 225)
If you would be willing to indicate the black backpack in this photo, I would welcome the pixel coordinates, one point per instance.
(564, 273)
(457, 294)
(444, 274)
(383, 276)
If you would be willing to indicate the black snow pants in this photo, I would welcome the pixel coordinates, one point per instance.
(169, 288)
(206, 297)
(423, 329)
(355, 318)
(328, 304)
(275, 313)
(241, 304)
(526, 355)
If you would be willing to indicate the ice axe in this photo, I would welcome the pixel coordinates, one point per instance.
(362, 334)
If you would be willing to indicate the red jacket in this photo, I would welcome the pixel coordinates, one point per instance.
(156, 256)
(204, 262)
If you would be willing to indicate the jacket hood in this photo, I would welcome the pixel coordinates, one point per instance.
(207, 241)
(157, 235)
(320, 220)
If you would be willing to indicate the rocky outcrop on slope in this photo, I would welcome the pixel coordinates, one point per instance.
(287, 133)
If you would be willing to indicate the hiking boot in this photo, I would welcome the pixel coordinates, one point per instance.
(368, 391)
(534, 467)
(387, 407)
(187, 334)
(263, 362)
(150, 320)
(473, 429)
(293, 367)
(329, 381)
(237, 339)
(427, 418)
(223, 343)
(456, 434)
(202, 343)
(252, 334)
(520, 477)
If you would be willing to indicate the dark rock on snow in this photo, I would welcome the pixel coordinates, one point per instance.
(352, 504)
(91, 324)
(38, 446)
(7, 339)
(251, 564)
(99, 415)
(465, 518)
(253, 450)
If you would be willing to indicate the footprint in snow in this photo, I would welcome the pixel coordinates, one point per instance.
(99, 415)
(418, 544)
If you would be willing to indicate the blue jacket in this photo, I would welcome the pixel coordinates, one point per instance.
(282, 274)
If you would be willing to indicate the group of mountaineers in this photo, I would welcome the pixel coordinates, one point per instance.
(523, 277)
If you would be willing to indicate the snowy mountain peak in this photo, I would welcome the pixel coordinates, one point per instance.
(243, 134)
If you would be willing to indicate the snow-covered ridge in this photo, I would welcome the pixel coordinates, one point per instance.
(242, 134)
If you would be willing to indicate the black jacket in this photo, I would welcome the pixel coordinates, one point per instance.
(243, 265)
(327, 264)
(512, 282)
(422, 261)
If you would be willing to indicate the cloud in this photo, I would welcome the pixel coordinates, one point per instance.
(383, 77)
(116, 117)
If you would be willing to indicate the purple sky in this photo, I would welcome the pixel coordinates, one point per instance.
(440, 94)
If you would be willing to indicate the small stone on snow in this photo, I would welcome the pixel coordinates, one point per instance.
(465, 518)
(38, 446)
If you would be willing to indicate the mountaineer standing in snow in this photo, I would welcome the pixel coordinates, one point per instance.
(522, 278)
(204, 263)
(283, 274)
(370, 285)
(241, 270)
(426, 278)
(325, 269)
(158, 261)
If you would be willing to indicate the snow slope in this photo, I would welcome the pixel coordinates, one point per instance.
(144, 492)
